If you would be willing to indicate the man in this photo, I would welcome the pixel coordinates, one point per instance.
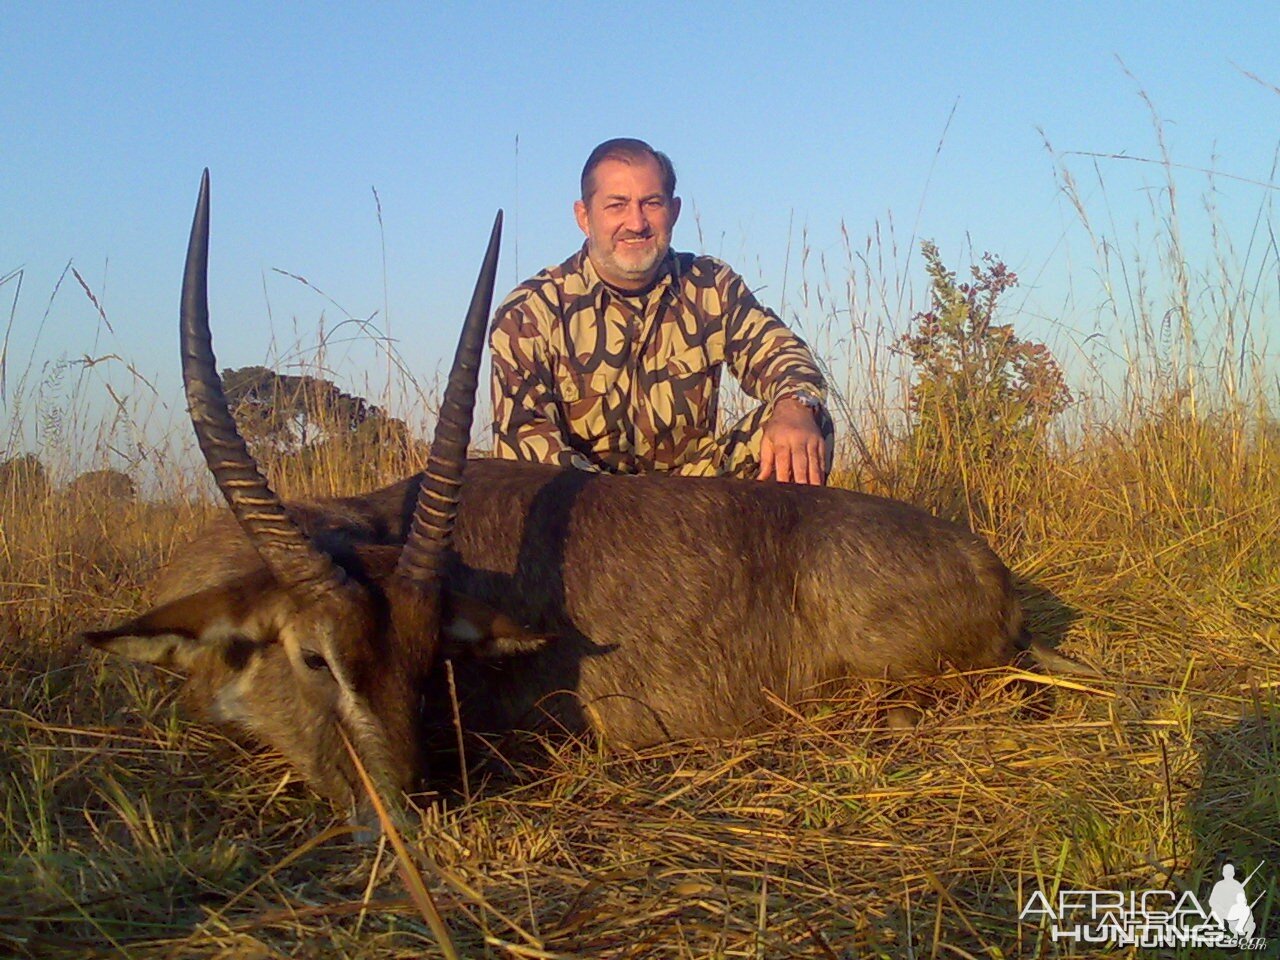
(612, 360)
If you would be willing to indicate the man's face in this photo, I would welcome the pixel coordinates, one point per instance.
(628, 222)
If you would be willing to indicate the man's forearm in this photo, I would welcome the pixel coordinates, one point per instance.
(766, 357)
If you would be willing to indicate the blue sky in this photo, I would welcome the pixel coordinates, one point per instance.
(790, 114)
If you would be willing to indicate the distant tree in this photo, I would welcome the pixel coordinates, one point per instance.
(287, 413)
(103, 485)
(23, 478)
(313, 431)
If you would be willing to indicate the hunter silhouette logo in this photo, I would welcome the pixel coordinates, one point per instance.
(1154, 918)
(1229, 903)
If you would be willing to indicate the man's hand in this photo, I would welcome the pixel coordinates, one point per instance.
(791, 447)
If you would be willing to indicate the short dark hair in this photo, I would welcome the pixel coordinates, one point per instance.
(628, 150)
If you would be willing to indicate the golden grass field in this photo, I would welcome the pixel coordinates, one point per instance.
(1143, 530)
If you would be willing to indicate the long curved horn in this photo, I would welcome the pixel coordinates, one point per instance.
(432, 528)
(283, 547)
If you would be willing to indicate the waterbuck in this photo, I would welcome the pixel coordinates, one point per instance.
(633, 608)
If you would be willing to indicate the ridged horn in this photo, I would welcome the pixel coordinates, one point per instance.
(284, 548)
(432, 528)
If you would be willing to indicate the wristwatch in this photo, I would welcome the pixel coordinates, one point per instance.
(805, 398)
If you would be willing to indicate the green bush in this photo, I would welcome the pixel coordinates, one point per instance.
(980, 396)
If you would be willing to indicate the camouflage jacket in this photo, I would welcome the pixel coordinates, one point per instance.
(586, 376)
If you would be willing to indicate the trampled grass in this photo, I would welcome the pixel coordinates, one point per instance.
(1144, 536)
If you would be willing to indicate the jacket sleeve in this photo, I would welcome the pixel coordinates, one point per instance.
(768, 360)
(527, 422)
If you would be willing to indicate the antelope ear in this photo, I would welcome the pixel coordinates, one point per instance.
(472, 627)
(174, 634)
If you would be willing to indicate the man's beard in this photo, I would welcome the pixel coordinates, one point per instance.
(634, 266)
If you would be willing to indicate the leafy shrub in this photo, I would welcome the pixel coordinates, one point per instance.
(980, 395)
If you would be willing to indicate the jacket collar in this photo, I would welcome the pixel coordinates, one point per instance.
(600, 291)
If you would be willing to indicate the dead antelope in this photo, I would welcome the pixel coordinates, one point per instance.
(636, 608)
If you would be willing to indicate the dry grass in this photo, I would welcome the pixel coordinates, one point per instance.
(129, 831)
(1145, 539)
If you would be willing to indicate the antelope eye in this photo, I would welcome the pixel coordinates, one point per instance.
(314, 661)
